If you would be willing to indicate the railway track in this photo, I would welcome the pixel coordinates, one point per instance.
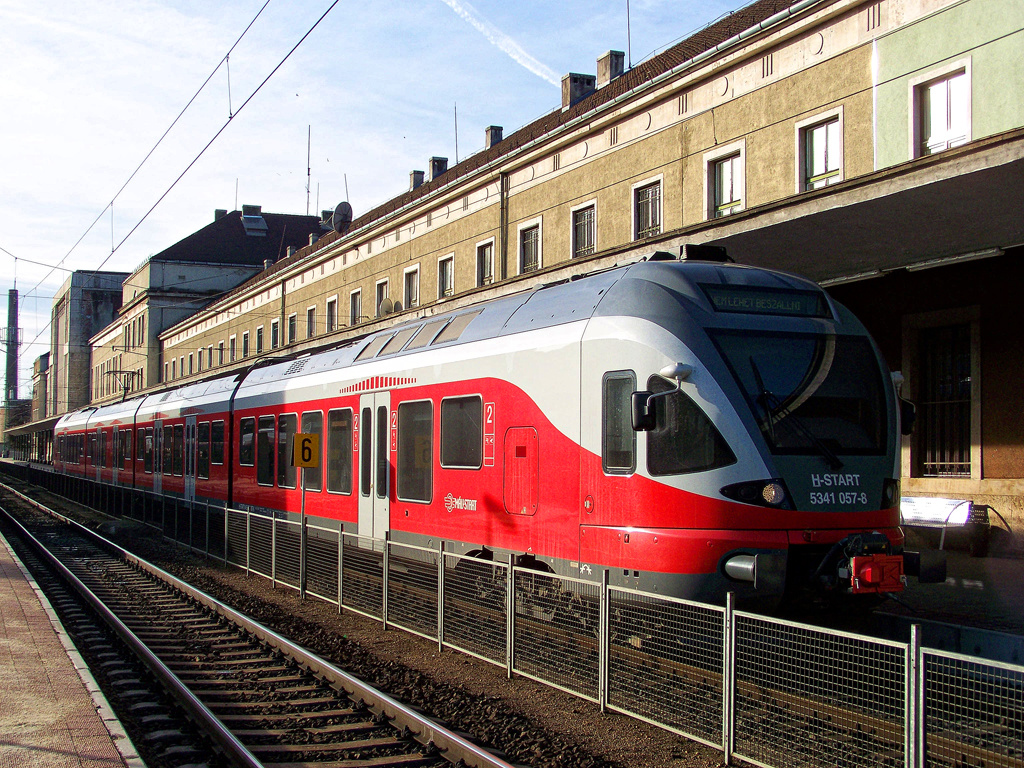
(242, 694)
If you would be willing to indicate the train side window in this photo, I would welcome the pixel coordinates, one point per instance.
(179, 448)
(246, 442)
(286, 474)
(148, 456)
(265, 451)
(684, 439)
(167, 451)
(618, 440)
(203, 450)
(339, 451)
(140, 444)
(462, 432)
(365, 455)
(217, 442)
(126, 455)
(313, 424)
(415, 451)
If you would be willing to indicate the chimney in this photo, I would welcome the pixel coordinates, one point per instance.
(438, 165)
(415, 179)
(268, 263)
(609, 66)
(576, 87)
(313, 238)
(252, 210)
(220, 213)
(492, 136)
(290, 250)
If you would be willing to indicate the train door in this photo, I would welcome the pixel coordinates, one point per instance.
(98, 455)
(189, 469)
(115, 456)
(158, 455)
(375, 438)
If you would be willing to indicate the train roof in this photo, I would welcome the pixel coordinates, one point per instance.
(577, 298)
(192, 395)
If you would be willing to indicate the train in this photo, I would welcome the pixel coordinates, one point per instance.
(691, 427)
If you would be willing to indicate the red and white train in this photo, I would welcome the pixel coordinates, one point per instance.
(693, 427)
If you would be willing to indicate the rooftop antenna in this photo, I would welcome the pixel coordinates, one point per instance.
(236, 193)
(629, 40)
(346, 185)
(456, 133)
(309, 140)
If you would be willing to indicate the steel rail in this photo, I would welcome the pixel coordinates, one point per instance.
(233, 749)
(453, 746)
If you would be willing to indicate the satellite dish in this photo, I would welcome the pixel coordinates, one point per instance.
(387, 306)
(342, 218)
(398, 306)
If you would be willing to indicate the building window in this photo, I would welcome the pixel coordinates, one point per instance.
(355, 307)
(232, 349)
(220, 353)
(943, 111)
(382, 293)
(245, 344)
(199, 363)
(728, 185)
(310, 322)
(332, 315)
(259, 340)
(174, 369)
(95, 392)
(189, 363)
(647, 210)
(485, 263)
(209, 356)
(292, 328)
(584, 231)
(724, 185)
(412, 287)
(943, 427)
(820, 153)
(529, 247)
(446, 277)
(275, 334)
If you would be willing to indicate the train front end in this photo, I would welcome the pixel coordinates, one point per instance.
(803, 505)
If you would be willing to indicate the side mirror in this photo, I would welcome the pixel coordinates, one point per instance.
(908, 415)
(643, 412)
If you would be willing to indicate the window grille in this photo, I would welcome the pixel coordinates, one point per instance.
(648, 211)
(583, 230)
(529, 249)
(944, 405)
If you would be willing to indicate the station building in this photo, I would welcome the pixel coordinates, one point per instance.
(875, 146)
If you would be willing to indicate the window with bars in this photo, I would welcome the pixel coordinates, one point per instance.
(412, 288)
(943, 427)
(446, 277)
(647, 210)
(485, 264)
(355, 307)
(529, 249)
(728, 185)
(584, 231)
(822, 154)
(944, 113)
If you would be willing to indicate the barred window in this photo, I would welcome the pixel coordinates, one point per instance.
(529, 249)
(648, 210)
(584, 234)
(943, 427)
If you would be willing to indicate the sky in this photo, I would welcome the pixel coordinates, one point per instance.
(88, 88)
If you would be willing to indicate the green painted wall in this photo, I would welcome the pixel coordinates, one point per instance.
(991, 32)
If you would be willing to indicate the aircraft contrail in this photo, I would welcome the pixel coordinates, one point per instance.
(502, 41)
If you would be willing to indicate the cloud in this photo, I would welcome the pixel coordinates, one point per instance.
(503, 42)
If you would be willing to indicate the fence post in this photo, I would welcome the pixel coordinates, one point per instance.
(248, 538)
(510, 610)
(602, 642)
(384, 582)
(440, 595)
(206, 538)
(728, 673)
(273, 551)
(341, 560)
(914, 701)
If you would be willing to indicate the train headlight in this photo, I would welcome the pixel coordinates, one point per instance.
(764, 493)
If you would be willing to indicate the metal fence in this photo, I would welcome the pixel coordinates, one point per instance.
(768, 691)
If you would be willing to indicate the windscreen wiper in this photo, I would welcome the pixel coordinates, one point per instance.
(769, 402)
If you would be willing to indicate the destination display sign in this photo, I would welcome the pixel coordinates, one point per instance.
(754, 300)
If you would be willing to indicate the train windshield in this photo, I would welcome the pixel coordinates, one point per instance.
(818, 393)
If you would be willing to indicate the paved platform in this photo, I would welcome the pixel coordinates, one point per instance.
(49, 717)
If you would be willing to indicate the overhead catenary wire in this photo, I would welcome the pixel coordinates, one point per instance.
(173, 184)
